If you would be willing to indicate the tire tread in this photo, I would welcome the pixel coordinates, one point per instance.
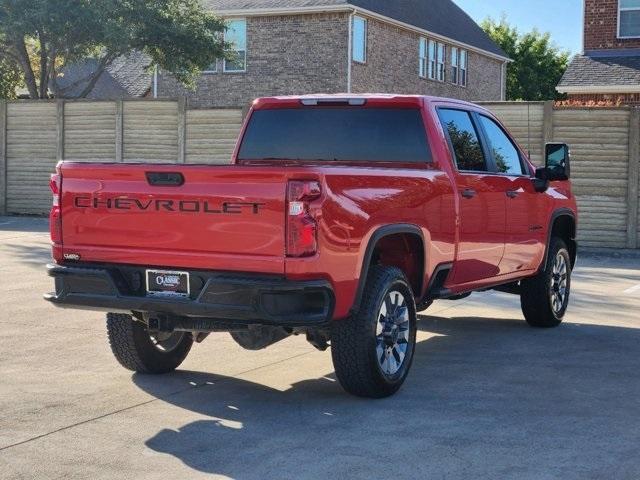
(130, 344)
(534, 297)
(349, 347)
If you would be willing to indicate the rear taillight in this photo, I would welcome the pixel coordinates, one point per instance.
(55, 217)
(302, 228)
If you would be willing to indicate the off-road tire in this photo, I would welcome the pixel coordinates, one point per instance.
(133, 347)
(353, 341)
(535, 292)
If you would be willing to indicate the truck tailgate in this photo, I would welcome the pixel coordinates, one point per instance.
(208, 217)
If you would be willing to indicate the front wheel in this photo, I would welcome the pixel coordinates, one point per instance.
(139, 350)
(545, 297)
(373, 350)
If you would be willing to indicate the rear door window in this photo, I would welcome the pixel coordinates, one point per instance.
(465, 140)
(336, 134)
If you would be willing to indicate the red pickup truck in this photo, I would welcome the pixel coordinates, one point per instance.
(339, 218)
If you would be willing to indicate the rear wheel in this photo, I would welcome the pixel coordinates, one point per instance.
(545, 297)
(139, 350)
(372, 351)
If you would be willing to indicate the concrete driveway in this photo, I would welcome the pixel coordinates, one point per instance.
(488, 397)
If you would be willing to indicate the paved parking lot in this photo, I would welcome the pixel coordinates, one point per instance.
(488, 397)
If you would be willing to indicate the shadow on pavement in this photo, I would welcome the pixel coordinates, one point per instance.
(24, 224)
(29, 254)
(485, 398)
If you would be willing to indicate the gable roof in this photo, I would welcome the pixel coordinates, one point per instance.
(126, 77)
(440, 17)
(607, 72)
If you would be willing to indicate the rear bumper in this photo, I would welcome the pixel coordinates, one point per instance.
(225, 297)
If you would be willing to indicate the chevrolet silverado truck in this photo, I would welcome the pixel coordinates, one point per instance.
(339, 218)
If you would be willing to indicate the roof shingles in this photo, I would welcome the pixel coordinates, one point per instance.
(128, 76)
(587, 71)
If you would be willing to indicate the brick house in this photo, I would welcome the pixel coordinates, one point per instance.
(609, 68)
(347, 46)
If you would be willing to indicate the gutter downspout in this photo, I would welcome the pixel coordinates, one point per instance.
(349, 53)
(503, 81)
(155, 82)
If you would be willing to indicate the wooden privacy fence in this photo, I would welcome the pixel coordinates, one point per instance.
(34, 135)
(605, 148)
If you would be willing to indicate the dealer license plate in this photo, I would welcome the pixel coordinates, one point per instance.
(168, 283)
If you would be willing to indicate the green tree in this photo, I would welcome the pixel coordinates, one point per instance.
(10, 78)
(41, 36)
(538, 65)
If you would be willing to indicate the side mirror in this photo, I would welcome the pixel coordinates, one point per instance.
(541, 180)
(557, 161)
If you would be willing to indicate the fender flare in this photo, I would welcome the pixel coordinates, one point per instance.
(379, 234)
(561, 212)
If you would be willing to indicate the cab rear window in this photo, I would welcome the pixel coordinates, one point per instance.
(336, 134)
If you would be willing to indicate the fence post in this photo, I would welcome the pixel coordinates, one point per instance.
(119, 131)
(3, 157)
(59, 130)
(547, 129)
(182, 130)
(633, 179)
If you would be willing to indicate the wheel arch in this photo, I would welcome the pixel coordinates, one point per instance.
(563, 224)
(391, 233)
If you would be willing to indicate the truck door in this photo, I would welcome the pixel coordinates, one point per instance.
(482, 203)
(524, 239)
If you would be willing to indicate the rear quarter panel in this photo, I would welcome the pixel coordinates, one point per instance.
(358, 201)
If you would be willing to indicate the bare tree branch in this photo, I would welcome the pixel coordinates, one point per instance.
(51, 68)
(102, 66)
(23, 60)
(44, 84)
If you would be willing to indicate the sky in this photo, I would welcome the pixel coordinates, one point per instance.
(562, 18)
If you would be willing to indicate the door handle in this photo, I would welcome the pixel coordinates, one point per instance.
(165, 179)
(512, 193)
(468, 193)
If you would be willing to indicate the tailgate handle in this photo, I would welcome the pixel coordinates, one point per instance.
(165, 179)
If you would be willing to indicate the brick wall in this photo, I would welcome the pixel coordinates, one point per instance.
(601, 26)
(298, 54)
(286, 55)
(393, 64)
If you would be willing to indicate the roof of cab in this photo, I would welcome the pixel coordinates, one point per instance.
(353, 99)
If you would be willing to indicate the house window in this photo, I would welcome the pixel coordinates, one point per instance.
(359, 39)
(422, 71)
(213, 68)
(463, 68)
(236, 35)
(454, 65)
(442, 51)
(629, 18)
(432, 60)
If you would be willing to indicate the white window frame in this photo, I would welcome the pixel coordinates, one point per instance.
(423, 55)
(431, 55)
(463, 67)
(627, 9)
(455, 62)
(441, 50)
(211, 71)
(364, 40)
(224, 62)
